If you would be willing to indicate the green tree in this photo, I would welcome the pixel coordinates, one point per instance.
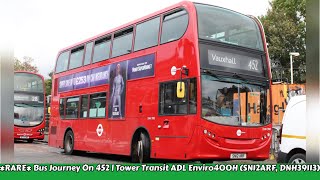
(285, 29)
(25, 64)
(48, 84)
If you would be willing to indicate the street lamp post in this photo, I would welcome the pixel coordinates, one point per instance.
(291, 68)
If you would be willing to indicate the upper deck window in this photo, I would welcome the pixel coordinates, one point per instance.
(147, 34)
(122, 42)
(174, 26)
(87, 57)
(62, 62)
(76, 57)
(28, 82)
(223, 25)
(101, 49)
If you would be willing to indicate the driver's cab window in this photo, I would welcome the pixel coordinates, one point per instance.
(170, 104)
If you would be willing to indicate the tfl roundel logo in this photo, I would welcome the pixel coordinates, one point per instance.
(239, 132)
(99, 130)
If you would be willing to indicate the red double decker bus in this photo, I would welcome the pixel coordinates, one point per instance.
(189, 82)
(29, 106)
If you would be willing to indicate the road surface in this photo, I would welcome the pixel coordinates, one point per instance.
(40, 152)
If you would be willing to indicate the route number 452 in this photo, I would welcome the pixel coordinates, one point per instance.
(253, 65)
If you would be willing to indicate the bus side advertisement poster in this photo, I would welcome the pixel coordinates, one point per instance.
(118, 79)
(90, 78)
(141, 67)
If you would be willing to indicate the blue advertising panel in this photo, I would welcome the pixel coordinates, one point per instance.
(136, 68)
(81, 80)
(66, 83)
(99, 76)
(141, 67)
(90, 78)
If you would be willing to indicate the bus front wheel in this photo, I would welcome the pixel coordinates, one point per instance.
(68, 143)
(141, 149)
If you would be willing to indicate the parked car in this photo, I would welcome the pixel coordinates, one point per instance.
(293, 132)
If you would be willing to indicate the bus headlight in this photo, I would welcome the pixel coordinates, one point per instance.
(211, 135)
(41, 130)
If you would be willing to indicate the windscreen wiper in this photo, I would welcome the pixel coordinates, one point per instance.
(210, 72)
(235, 75)
(20, 104)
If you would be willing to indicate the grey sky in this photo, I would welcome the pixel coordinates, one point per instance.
(40, 28)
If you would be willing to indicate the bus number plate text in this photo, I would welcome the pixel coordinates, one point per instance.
(24, 137)
(238, 156)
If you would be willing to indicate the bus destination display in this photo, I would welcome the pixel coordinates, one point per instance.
(235, 61)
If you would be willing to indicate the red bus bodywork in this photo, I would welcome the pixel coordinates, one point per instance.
(31, 133)
(179, 137)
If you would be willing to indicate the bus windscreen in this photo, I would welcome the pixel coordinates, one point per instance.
(226, 26)
(28, 99)
(28, 83)
(233, 102)
(26, 114)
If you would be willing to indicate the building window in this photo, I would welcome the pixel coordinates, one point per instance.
(62, 62)
(97, 105)
(174, 26)
(76, 57)
(101, 49)
(72, 106)
(122, 42)
(147, 34)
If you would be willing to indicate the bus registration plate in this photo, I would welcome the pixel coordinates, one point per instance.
(238, 156)
(24, 137)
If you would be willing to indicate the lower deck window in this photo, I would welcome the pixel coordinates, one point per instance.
(72, 106)
(97, 105)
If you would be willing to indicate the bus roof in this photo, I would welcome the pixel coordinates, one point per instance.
(182, 3)
(28, 72)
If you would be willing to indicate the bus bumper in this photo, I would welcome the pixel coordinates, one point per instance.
(22, 136)
(209, 148)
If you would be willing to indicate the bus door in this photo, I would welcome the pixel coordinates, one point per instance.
(176, 118)
(97, 122)
(57, 119)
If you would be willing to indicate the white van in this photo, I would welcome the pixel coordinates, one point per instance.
(293, 132)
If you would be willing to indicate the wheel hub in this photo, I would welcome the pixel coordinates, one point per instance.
(140, 150)
(298, 161)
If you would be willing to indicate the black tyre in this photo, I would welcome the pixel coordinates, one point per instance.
(141, 149)
(68, 143)
(297, 159)
(30, 140)
(206, 161)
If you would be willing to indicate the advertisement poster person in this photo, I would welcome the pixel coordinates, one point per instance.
(117, 91)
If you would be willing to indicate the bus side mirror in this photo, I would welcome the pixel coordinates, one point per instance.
(181, 88)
